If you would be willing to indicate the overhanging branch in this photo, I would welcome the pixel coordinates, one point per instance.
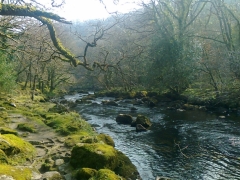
(15, 10)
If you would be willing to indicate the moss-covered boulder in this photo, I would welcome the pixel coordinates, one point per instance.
(106, 174)
(96, 156)
(124, 119)
(106, 139)
(85, 173)
(16, 149)
(101, 156)
(143, 120)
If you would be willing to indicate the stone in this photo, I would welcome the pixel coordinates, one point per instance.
(68, 176)
(140, 128)
(133, 109)
(36, 176)
(180, 110)
(143, 120)
(190, 107)
(5, 177)
(162, 178)
(124, 119)
(85, 173)
(59, 162)
(109, 103)
(106, 139)
(13, 104)
(52, 175)
(221, 117)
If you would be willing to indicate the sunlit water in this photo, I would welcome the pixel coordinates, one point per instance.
(181, 145)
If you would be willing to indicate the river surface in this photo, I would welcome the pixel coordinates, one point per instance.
(189, 145)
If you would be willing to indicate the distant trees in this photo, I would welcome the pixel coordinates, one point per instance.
(181, 44)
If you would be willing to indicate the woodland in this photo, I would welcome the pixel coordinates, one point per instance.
(168, 46)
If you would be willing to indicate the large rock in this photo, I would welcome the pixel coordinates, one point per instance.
(101, 156)
(124, 119)
(143, 120)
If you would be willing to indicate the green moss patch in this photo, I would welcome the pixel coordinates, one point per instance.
(5, 130)
(67, 124)
(85, 173)
(106, 174)
(17, 150)
(18, 173)
(27, 127)
(143, 120)
(80, 138)
(96, 156)
(106, 139)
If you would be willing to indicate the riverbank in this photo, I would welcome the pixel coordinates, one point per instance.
(191, 99)
(41, 139)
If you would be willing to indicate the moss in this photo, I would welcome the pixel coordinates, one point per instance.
(68, 123)
(96, 156)
(143, 120)
(85, 173)
(17, 150)
(125, 167)
(106, 139)
(18, 173)
(5, 130)
(58, 108)
(101, 156)
(106, 174)
(3, 158)
(3, 118)
(27, 127)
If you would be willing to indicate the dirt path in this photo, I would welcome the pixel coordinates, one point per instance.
(49, 145)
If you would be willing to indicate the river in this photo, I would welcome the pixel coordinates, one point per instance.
(188, 145)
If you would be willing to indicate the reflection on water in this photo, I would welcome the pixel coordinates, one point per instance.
(180, 145)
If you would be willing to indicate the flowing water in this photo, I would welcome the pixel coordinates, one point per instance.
(189, 145)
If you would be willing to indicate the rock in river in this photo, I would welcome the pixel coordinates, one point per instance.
(140, 128)
(143, 120)
(124, 119)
